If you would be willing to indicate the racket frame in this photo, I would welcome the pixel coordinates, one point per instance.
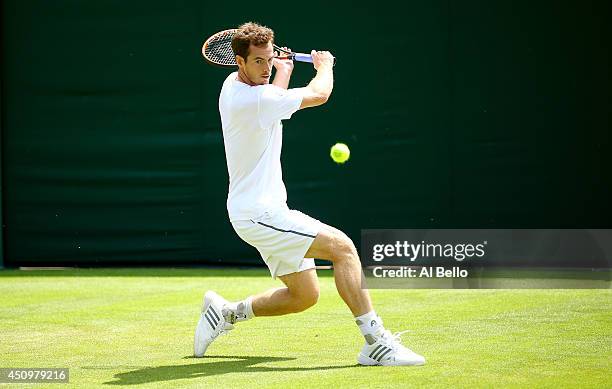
(288, 53)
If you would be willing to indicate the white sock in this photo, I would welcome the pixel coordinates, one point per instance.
(239, 311)
(370, 325)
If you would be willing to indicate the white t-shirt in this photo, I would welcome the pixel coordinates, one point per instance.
(253, 135)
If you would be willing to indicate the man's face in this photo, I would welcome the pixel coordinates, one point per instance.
(258, 65)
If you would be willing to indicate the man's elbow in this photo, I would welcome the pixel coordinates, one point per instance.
(322, 98)
(315, 100)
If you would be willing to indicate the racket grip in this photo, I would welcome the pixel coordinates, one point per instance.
(301, 57)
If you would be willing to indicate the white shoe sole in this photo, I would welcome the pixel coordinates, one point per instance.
(200, 344)
(367, 361)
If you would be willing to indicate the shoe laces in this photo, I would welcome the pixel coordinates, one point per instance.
(393, 340)
(228, 315)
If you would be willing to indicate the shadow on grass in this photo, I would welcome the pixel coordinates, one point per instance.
(237, 364)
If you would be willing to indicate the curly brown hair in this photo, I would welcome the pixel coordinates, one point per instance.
(250, 34)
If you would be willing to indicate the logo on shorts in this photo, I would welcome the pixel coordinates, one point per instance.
(372, 323)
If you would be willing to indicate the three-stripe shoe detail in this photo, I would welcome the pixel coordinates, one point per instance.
(380, 352)
(212, 317)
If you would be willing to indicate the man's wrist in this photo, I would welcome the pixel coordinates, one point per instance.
(285, 70)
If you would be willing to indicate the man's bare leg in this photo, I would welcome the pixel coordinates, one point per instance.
(333, 245)
(302, 288)
(301, 293)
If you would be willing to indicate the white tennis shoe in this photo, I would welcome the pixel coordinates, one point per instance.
(211, 323)
(387, 350)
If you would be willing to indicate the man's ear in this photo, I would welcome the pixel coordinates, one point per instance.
(240, 61)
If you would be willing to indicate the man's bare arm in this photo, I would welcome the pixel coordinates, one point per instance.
(320, 88)
(284, 68)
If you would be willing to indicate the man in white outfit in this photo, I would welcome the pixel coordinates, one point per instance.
(251, 112)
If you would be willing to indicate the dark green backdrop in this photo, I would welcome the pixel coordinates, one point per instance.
(458, 114)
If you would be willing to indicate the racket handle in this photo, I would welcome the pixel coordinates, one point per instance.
(301, 57)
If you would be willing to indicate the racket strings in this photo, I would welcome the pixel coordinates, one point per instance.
(219, 50)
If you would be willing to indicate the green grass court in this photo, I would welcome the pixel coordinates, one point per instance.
(134, 328)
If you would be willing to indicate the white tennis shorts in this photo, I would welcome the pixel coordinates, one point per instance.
(282, 237)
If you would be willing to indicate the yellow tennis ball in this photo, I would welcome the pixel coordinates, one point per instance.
(340, 153)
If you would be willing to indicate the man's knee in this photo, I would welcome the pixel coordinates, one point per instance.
(305, 299)
(303, 289)
(344, 249)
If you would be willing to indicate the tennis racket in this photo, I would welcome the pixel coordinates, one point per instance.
(217, 50)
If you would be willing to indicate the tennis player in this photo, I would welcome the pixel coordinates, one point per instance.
(252, 109)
